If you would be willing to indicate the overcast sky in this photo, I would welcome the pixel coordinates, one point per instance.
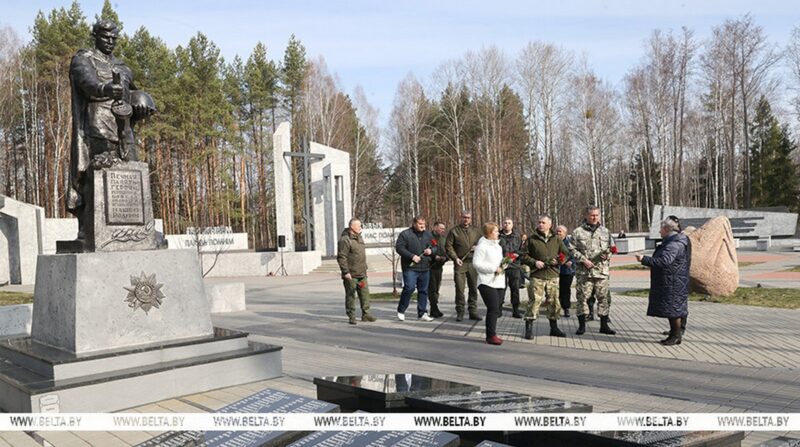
(376, 43)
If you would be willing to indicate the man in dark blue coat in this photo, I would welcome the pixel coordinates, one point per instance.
(669, 278)
(415, 247)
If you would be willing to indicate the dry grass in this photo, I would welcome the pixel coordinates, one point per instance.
(750, 296)
(9, 298)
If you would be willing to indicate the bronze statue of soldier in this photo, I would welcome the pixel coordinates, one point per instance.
(105, 105)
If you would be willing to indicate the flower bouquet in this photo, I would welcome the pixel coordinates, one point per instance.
(507, 260)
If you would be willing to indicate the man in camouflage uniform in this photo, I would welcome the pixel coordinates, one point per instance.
(352, 259)
(460, 245)
(543, 253)
(591, 249)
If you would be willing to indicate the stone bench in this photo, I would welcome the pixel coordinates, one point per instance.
(15, 320)
(630, 244)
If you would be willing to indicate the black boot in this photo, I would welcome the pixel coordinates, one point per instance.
(528, 329)
(581, 325)
(566, 313)
(674, 333)
(683, 328)
(591, 314)
(500, 310)
(435, 312)
(604, 329)
(516, 313)
(554, 330)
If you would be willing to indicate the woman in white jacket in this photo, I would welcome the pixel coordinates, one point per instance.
(491, 279)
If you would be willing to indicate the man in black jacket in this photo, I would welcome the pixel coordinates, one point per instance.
(511, 243)
(439, 258)
(415, 246)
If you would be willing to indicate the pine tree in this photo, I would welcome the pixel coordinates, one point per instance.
(293, 73)
(774, 173)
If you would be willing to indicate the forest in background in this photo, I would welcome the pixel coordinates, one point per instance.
(705, 123)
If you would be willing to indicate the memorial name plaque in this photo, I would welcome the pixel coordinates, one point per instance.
(632, 438)
(491, 444)
(495, 402)
(379, 438)
(667, 438)
(124, 197)
(265, 401)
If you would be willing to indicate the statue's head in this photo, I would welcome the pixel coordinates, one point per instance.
(105, 34)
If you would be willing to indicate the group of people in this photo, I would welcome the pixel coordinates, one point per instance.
(491, 259)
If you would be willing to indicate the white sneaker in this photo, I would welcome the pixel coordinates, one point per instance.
(401, 316)
(425, 317)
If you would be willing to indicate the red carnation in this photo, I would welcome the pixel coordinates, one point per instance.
(434, 242)
(561, 258)
(362, 284)
(614, 249)
(513, 256)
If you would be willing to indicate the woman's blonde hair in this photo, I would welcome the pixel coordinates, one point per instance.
(488, 227)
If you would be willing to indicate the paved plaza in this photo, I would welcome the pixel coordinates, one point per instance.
(733, 358)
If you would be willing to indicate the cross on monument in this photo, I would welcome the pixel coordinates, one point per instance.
(307, 158)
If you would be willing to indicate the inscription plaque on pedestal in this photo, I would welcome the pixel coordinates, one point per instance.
(124, 197)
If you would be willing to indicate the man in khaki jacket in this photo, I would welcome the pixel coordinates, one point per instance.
(352, 258)
(460, 245)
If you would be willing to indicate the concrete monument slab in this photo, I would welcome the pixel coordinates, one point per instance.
(95, 301)
(331, 198)
(744, 223)
(21, 240)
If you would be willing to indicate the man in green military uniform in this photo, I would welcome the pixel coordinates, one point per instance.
(461, 241)
(544, 252)
(439, 257)
(352, 258)
(591, 249)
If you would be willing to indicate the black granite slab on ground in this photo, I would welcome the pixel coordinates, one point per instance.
(781, 441)
(491, 401)
(264, 401)
(378, 438)
(631, 439)
(383, 392)
(491, 444)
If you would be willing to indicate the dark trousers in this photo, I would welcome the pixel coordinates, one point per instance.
(414, 280)
(491, 298)
(564, 290)
(466, 276)
(513, 277)
(433, 286)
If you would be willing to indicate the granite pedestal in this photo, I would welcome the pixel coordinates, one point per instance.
(117, 330)
(121, 218)
(39, 378)
(383, 392)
